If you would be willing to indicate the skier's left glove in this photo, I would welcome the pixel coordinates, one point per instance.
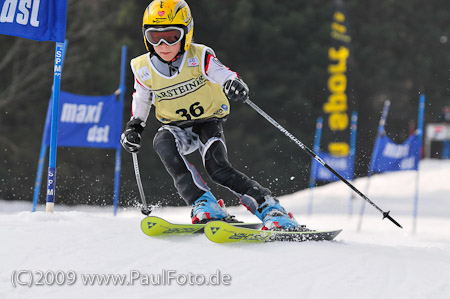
(236, 90)
(131, 138)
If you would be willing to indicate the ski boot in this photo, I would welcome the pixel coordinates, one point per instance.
(272, 214)
(206, 208)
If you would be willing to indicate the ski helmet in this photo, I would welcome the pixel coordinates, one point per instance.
(160, 13)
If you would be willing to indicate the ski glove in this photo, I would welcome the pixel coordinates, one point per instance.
(236, 90)
(131, 138)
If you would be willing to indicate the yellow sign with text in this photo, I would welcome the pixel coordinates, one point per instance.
(337, 105)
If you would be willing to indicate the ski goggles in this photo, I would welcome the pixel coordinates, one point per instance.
(168, 35)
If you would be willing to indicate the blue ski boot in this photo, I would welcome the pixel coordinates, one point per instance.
(271, 213)
(206, 208)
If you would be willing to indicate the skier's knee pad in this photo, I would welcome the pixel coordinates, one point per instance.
(164, 141)
(166, 148)
(216, 162)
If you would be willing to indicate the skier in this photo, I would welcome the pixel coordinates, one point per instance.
(190, 89)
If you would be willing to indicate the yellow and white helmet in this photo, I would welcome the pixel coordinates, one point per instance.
(168, 13)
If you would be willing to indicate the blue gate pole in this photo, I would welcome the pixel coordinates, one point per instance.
(445, 149)
(119, 148)
(419, 137)
(51, 177)
(312, 176)
(353, 130)
(43, 151)
(380, 132)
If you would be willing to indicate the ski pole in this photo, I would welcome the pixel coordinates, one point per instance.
(315, 156)
(146, 209)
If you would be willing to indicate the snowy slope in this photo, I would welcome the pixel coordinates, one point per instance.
(381, 261)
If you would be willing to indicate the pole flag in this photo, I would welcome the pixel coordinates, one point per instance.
(41, 20)
(336, 110)
(87, 121)
(390, 156)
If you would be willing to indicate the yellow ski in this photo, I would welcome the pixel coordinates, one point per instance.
(222, 232)
(156, 226)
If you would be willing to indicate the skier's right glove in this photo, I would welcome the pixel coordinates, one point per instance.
(236, 90)
(131, 138)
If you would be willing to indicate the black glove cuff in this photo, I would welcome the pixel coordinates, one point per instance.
(136, 124)
(236, 90)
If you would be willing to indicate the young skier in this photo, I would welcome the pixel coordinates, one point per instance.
(190, 89)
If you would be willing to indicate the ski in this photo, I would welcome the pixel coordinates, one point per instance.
(222, 232)
(156, 226)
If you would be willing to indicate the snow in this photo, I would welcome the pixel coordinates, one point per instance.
(380, 261)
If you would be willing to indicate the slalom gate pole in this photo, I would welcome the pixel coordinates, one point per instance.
(353, 131)
(380, 132)
(313, 169)
(42, 155)
(51, 176)
(315, 156)
(420, 134)
(146, 209)
(117, 168)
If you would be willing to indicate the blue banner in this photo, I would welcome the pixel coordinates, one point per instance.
(343, 165)
(42, 20)
(87, 121)
(390, 156)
